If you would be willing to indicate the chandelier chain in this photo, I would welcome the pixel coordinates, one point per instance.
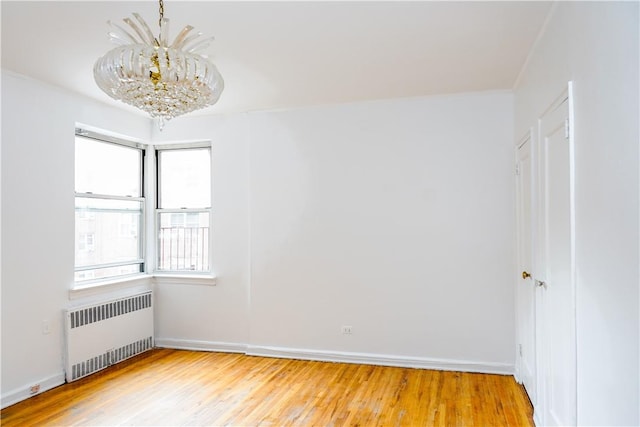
(161, 12)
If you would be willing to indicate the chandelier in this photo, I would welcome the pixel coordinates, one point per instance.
(161, 78)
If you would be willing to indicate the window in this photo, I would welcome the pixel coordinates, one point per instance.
(183, 209)
(85, 242)
(109, 207)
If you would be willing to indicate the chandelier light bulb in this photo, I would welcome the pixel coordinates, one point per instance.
(163, 79)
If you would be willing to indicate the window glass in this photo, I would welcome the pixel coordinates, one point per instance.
(100, 236)
(183, 241)
(107, 168)
(184, 178)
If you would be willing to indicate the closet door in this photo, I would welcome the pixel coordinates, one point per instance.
(556, 277)
(525, 288)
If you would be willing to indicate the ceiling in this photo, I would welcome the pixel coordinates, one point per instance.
(276, 55)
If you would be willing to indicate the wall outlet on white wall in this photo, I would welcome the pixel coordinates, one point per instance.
(46, 327)
(347, 330)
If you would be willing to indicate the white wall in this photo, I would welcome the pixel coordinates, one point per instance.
(394, 217)
(38, 124)
(596, 46)
(196, 316)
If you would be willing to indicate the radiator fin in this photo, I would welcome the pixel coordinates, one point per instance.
(109, 358)
(89, 315)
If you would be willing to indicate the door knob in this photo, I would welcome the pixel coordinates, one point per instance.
(525, 275)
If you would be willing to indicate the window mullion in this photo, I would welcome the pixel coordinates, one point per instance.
(109, 197)
(110, 264)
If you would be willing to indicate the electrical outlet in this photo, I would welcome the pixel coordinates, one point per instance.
(46, 327)
(34, 389)
(347, 330)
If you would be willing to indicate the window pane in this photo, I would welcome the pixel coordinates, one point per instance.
(183, 241)
(104, 168)
(101, 273)
(184, 178)
(107, 231)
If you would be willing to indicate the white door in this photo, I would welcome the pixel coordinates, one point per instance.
(525, 290)
(555, 274)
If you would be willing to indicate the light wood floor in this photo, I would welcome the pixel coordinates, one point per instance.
(171, 387)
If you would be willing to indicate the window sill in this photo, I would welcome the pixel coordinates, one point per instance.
(184, 279)
(105, 286)
(138, 281)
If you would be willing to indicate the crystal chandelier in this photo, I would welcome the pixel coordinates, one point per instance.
(161, 78)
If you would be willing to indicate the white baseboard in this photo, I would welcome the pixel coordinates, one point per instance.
(338, 356)
(536, 418)
(179, 344)
(383, 360)
(516, 375)
(24, 392)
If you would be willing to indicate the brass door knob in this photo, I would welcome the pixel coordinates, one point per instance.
(525, 275)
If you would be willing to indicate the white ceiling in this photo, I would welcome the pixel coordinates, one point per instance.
(298, 53)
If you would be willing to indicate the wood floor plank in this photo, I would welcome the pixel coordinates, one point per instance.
(167, 387)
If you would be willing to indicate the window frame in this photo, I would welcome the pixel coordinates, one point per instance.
(141, 261)
(205, 277)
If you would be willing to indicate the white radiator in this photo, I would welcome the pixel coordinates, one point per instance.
(107, 333)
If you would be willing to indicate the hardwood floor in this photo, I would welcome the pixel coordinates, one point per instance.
(172, 387)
